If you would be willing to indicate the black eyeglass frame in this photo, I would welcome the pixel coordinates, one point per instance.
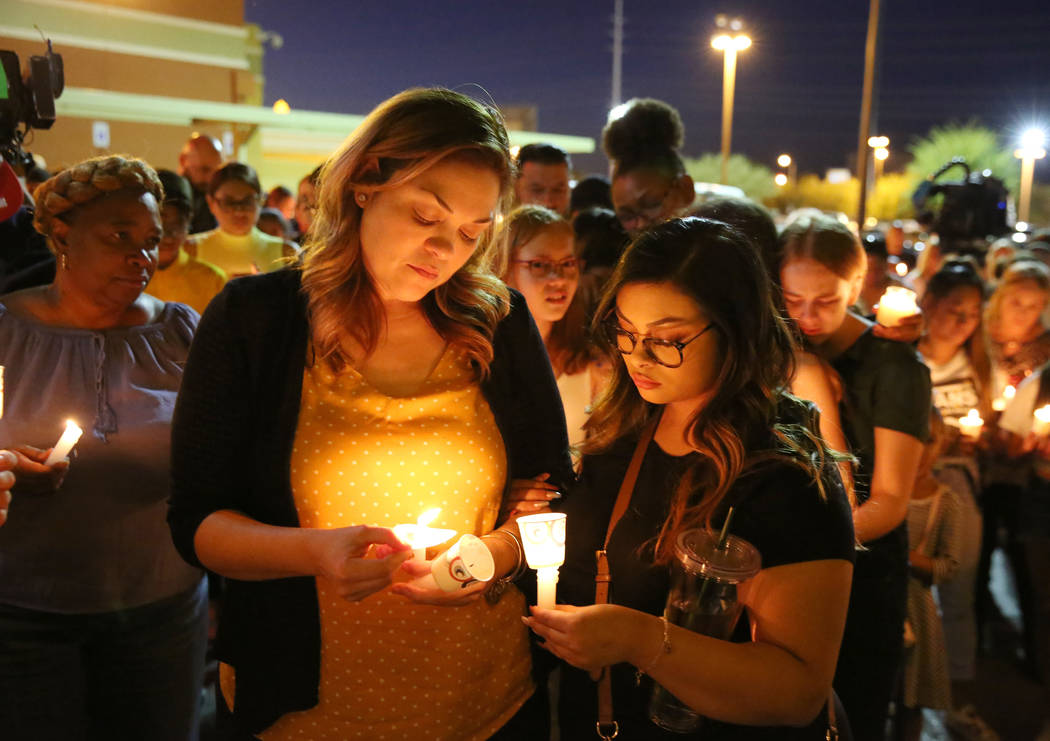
(557, 268)
(615, 330)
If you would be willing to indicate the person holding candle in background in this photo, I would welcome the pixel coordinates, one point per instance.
(886, 418)
(389, 373)
(103, 627)
(8, 461)
(1019, 345)
(954, 348)
(705, 362)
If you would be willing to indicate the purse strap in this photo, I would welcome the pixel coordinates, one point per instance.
(607, 727)
(931, 520)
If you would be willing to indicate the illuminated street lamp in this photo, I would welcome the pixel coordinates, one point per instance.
(780, 179)
(1032, 149)
(881, 151)
(788, 163)
(729, 40)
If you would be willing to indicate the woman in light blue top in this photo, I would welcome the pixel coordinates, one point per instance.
(102, 625)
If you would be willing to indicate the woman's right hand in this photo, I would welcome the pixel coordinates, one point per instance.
(528, 496)
(8, 461)
(33, 476)
(340, 557)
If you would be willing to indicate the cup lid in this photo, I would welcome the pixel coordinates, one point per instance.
(699, 553)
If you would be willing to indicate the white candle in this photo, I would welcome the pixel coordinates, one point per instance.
(1041, 423)
(420, 536)
(65, 443)
(543, 536)
(971, 424)
(896, 304)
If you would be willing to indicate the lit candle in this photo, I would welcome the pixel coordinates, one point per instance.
(896, 304)
(971, 424)
(1041, 423)
(421, 536)
(1000, 403)
(468, 561)
(543, 536)
(65, 443)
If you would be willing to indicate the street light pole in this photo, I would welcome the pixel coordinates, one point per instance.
(729, 45)
(1030, 151)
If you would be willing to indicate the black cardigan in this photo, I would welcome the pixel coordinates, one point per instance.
(232, 436)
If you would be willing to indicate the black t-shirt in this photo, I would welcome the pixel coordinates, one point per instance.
(777, 509)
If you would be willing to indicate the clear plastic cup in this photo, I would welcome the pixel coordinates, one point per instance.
(703, 599)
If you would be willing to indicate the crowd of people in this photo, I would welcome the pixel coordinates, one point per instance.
(269, 382)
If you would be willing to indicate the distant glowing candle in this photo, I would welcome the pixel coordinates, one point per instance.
(421, 536)
(896, 304)
(65, 443)
(1000, 403)
(543, 536)
(1041, 423)
(971, 424)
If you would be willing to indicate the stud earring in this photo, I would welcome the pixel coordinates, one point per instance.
(362, 198)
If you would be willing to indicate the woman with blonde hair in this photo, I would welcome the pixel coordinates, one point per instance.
(388, 374)
(103, 627)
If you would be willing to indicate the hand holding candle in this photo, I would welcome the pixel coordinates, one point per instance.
(65, 443)
(467, 562)
(971, 425)
(895, 304)
(543, 537)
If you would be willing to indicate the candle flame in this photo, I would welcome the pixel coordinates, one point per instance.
(428, 517)
(972, 418)
(1043, 413)
(1008, 392)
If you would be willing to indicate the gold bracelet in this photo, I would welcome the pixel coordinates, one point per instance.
(665, 648)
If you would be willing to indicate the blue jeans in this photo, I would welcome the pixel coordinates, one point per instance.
(130, 674)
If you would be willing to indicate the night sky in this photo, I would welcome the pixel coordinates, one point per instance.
(798, 87)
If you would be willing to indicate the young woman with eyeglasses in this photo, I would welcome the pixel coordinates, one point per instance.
(699, 394)
(541, 261)
(885, 414)
(237, 246)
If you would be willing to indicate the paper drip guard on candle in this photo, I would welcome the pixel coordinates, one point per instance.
(896, 304)
(543, 536)
(468, 561)
(65, 443)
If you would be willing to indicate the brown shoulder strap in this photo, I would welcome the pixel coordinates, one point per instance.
(608, 728)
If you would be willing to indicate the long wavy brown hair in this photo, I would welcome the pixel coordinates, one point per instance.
(750, 419)
(400, 139)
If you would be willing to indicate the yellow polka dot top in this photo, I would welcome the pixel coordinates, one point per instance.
(392, 669)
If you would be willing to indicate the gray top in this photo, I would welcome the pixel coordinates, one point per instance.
(99, 543)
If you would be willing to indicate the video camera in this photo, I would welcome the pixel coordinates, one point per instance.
(972, 210)
(27, 103)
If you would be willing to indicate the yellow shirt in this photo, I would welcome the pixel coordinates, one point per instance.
(189, 281)
(255, 252)
(391, 668)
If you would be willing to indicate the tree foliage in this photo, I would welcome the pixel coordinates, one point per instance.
(754, 179)
(978, 145)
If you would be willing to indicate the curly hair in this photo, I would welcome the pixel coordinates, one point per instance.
(644, 134)
(60, 196)
(398, 141)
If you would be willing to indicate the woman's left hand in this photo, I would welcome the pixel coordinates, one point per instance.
(528, 496)
(587, 637)
(423, 589)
